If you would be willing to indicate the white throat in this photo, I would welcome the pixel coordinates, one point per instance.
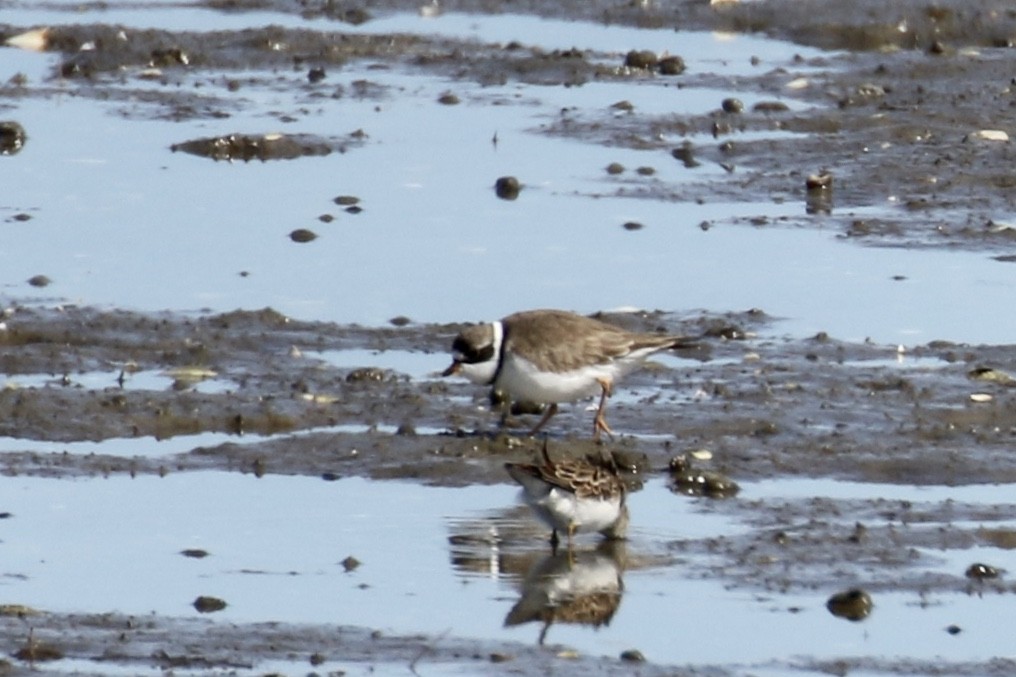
(483, 373)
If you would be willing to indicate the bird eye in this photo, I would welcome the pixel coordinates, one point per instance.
(469, 354)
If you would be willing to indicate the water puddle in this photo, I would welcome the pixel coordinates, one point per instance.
(124, 379)
(460, 561)
(152, 447)
(414, 365)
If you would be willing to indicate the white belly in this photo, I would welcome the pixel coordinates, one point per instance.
(520, 380)
(560, 509)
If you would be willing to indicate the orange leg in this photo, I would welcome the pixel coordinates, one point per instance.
(600, 421)
(551, 410)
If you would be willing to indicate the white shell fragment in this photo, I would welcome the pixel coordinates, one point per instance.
(981, 397)
(190, 373)
(987, 135)
(35, 40)
(319, 398)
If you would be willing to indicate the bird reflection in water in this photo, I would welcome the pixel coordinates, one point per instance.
(582, 587)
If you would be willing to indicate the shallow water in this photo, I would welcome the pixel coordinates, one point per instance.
(275, 559)
(114, 207)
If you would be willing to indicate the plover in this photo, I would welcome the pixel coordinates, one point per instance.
(552, 356)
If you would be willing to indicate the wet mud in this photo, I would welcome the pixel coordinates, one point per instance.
(893, 120)
(762, 408)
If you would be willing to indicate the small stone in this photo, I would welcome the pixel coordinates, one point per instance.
(633, 656)
(206, 604)
(448, 99)
(195, 553)
(643, 59)
(980, 572)
(350, 563)
(732, 105)
(615, 168)
(365, 375)
(633, 225)
(315, 75)
(39, 281)
(345, 200)
(991, 375)
(854, 604)
(507, 187)
(12, 137)
(302, 235)
(770, 107)
(671, 65)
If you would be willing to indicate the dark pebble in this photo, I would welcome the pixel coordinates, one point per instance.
(12, 137)
(854, 604)
(732, 105)
(980, 572)
(206, 604)
(671, 65)
(302, 235)
(633, 656)
(644, 59)
(507, 187)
